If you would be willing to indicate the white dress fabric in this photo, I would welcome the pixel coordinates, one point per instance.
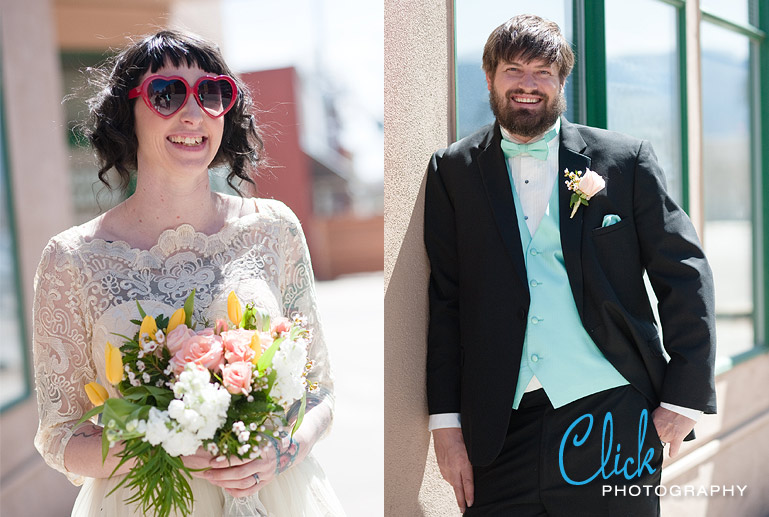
(86, 290)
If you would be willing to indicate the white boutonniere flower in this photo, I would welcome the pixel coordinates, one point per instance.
(584, 185)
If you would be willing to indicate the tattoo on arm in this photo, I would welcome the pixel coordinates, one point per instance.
(284, 457)
(88, 432)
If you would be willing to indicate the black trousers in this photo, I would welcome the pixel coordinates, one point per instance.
(551, 465)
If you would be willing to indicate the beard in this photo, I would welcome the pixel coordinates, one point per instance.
(525, 122)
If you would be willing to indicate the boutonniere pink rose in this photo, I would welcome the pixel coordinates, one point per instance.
(584, 185)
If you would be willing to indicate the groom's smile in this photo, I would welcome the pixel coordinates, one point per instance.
(532, 99)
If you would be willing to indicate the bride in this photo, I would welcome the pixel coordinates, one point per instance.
(168, 109)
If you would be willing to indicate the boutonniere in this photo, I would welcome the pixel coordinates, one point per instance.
(584, 185)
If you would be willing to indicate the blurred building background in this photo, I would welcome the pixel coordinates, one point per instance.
(690, 76)
(315, 72)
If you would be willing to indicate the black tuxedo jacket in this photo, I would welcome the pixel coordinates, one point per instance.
(479, 296)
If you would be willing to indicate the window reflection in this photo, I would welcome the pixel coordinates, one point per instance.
(733, 10)
(642, 75)
(727, 183)
(13, 380)
(474, 22)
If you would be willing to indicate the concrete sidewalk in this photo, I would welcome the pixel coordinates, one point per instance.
(352, 310)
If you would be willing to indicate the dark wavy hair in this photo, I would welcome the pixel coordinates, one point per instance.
(110, 127)
(528, 37)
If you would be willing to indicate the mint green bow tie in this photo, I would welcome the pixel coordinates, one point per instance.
(538, 149)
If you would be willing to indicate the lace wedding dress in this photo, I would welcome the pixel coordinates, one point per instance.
(86, 290)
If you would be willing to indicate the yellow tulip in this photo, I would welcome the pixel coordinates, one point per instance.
(177, 318)
(114, 360)
(234, 311)
(148, 327)
(256, 346)
(97, 394)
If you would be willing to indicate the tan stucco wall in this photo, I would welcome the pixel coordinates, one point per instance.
(416, 124)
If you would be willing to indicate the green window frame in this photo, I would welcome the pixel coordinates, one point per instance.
(7, 205)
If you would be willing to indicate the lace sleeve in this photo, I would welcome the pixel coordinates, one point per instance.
(62, 364)
(298, 292)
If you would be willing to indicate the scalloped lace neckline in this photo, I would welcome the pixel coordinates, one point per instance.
(183, 236)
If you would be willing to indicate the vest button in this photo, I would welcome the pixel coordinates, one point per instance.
(534, 283)
(534, 252)
(535, 320)
(534, 358)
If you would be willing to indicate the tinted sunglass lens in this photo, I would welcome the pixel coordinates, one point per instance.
(167, 96)
(215, 96)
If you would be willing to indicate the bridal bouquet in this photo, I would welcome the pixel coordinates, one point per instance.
(227, 389)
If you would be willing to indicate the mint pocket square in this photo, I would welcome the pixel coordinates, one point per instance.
(610, 219)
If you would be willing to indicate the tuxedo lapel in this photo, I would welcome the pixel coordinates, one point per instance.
(499, 191)
(570, 157)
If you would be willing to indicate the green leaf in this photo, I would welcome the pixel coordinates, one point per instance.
(584, 201)
(141, 311)
(265, 361)
(92, 413)
(189, 306)
(300, 416)
(118, 410)
(104, 447)
(126, 337)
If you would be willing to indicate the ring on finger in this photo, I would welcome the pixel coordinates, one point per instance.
(256, 478)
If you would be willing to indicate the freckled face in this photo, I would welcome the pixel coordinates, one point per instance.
(527, 98)
(187, 142)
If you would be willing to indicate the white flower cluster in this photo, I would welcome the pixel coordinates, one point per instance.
(199, 409)
(289, 363)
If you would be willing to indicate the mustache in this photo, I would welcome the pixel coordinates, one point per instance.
(510, 93)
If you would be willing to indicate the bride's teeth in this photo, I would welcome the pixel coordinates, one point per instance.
(187, 140)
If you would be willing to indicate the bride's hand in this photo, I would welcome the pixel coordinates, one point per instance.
(200, 460)
(237, 476)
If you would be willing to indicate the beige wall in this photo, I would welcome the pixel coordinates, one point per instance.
(416, 124)
(36, 147)
(732, 448)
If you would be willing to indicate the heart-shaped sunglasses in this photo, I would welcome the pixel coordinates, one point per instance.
(166, 95)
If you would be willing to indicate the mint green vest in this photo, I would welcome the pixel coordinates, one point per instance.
(556, 348)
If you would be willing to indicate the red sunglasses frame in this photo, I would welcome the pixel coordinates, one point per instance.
(141, 91)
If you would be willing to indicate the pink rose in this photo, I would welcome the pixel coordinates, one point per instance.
(590, 183)
(176, 338)
(280, 325)
(204, 348)
(221, 326)
(237, 345)
(237, 377)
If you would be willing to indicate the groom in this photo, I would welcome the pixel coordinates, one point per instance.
(548, 389)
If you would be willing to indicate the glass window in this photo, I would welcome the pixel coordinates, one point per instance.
(726, 101)
(90, 196)
(733, 10)
(474, 22)
(642, 79)
(13, 377)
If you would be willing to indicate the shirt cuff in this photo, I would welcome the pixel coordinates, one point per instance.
(443, 421)
(694, 414)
